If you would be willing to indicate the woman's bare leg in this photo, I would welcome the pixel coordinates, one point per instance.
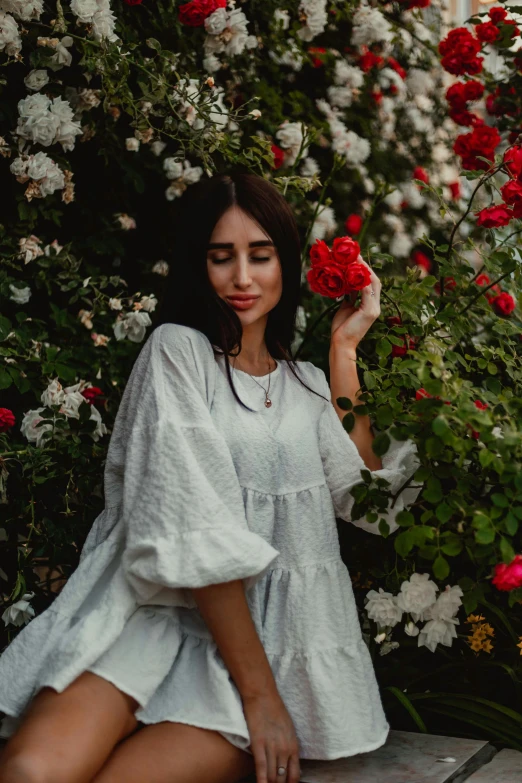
(67, 737)
(169, 752)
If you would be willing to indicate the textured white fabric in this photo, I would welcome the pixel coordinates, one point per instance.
(199, 491)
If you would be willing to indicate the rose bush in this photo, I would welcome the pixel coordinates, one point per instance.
(108, 114)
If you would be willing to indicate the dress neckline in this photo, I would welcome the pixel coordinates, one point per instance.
(272, 373)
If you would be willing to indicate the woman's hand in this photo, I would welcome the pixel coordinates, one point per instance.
(350, 324)
(273, 739)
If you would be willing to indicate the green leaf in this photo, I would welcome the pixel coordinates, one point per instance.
(511, 523)
(506, 550)
(5, 327)
(433, 492)
(452, 547)
(441, 567)
(384, 528)
(406, 703)
(486, 457)
(369, 380)
(344, 403)
(440, 426)
(485, 536)
(404, 543)
(443, 512)
(405, 518)
(383, 347)
(348, 422)
(500, 500)
(381, 444)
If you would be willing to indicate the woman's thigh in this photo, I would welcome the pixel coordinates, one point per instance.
(67, 737)
(169, 752)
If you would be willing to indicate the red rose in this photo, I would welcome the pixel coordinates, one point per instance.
(416, 3)
(327, 280)
(317, 62)
(370, 60)
(279, 156)
(464, 117)
(456, 96)
(420, 173)
(195, 12)
(517, 210)
(459, 52)
(421, 259)
(481, 141)
(483, 279)
(402, 350)
(345, 250)
(357, 276)
(508, 576)
(513, 161)
(7, 419)
(455, 189)
(421, 394)
(504, 304)
(133, 2)
(394, 320)
(473, 90)
(512, 192)
(487, 32)
(480, 405)
(497, 14)
(495, 216)
(449, 285)
(92, 394)
(353, 224)
(493, 292)
(397, 67)
(320, 253)
(377, 97)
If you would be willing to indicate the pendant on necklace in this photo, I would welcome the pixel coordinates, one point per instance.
(268, 403)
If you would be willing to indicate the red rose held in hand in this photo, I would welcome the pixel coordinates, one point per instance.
(357, 276)
(7, 419)
(508, 576)
(327, 280)
(320, 253)
(345, 250)
(195, 12)
(494, 217)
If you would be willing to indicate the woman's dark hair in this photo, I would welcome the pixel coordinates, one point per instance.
(189, 297)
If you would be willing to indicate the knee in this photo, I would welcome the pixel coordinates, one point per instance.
(22, 768)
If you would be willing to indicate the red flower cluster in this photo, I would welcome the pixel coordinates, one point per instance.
(397, 67)
(501, 214)
(420, 173)
(415, 3)
(369, 60)
(7, 419)
(502, 302)
(459, 52)
(508, 576)
(195, 12)
(459, 95)
(449, 285)
(421, 259)
(487, 32)
(481, 141)
(337, 272)
(93, 394)
(314, 51)
(421, 394)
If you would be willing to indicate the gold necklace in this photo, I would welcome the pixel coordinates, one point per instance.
(268, 401)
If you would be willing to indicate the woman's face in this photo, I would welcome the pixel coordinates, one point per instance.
(241, 260)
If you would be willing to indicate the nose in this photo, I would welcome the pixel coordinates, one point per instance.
(242, 273)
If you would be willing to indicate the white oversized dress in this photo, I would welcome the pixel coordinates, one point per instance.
(200, 491)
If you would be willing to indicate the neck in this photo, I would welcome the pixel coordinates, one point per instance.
(254, 352)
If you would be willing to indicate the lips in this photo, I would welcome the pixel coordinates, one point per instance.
(242, 298)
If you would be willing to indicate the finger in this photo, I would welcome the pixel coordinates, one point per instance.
(293, 770)
(261, 763)
(271, 761)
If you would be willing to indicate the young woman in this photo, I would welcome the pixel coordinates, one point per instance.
(210, 629)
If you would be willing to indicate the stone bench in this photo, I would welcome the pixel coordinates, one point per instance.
(411, 757)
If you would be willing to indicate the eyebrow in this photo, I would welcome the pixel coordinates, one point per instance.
(230, 245)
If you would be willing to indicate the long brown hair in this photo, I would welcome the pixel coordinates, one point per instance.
(189, 297)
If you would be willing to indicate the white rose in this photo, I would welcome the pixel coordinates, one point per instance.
(36, 79)
(100, 428)
(71, 403)
(438, 632)
(148, 303)
(411, 629)
(382, 608)
(173, 168)
(54, 394)
(216, 22)
(132, 144)
(9, 35)
(133, 326)
(282, 15)
(416, 595)
(19, 613)
(84, 9)
(157, 147)
(29, 428)
(447, 604)
(20, 295)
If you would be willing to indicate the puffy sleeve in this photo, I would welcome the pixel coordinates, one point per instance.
(183, 508)
(342, 465)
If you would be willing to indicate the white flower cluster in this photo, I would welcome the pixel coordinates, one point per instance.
(290, 137)
(69, 399)
(193, 103)
(19, 613)
(132, 326)
(45, 121)
(26, 10)
(417, 598)
(182, 174)
(348, 80)
(10, 40)
(370, 26)
(324, 224)
(97, 14)
(354, 148)
(227, 32)
(315, 16)
(42, 170)
(292, 56)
